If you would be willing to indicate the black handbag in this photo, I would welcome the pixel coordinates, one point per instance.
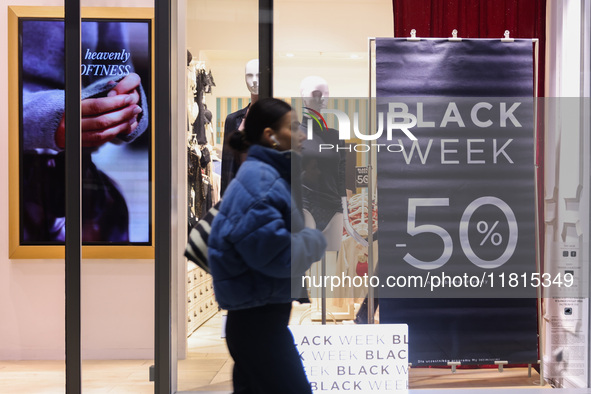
(196, 250)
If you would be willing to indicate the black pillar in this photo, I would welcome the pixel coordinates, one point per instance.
(73, 246)
(162, 200)
(266, 48)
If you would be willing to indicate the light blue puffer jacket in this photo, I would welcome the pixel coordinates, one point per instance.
(258, 241)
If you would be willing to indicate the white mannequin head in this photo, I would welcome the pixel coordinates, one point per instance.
(314, 91)
(251, 76)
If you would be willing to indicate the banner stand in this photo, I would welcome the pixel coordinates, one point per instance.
(323, 293)
(370, 199)
(371, 295)
(537, 219)
(323, 309)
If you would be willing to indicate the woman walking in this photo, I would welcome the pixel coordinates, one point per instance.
(258, 243)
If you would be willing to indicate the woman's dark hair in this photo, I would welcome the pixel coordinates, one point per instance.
(264, 113)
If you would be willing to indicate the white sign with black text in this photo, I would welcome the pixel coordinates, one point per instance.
(362, 358)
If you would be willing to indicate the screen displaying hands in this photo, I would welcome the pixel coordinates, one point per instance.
(104, 118)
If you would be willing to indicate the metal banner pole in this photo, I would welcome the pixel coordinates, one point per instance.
(370, 198)
(537, 219)
(323, 291)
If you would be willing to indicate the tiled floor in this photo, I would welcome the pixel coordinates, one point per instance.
(48, 377)
(208, 368)
(208, 351)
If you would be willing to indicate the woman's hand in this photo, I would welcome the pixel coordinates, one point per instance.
(106, 117)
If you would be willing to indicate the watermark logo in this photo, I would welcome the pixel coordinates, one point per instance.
(318, 118)
(397, 118)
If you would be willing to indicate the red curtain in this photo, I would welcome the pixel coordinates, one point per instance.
(474, 19)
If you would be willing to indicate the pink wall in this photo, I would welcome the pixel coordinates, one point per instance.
(117, 295)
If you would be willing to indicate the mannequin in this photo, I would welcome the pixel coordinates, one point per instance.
(324, 193)
(251, 77)
(231, 160)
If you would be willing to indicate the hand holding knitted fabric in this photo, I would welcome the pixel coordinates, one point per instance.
(104, 118)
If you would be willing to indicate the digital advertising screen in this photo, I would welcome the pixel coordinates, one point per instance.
(116, 131)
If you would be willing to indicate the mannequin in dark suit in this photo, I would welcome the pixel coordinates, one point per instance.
(324, 191)
(231, 159)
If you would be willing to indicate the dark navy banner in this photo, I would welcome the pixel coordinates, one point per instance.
(456, 198)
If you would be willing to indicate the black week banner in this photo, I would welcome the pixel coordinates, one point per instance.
(456, 198)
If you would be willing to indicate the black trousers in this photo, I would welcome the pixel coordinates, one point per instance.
(265, 357)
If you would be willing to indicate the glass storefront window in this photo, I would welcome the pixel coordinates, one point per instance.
(319, 47)
(324, 50)
(221, 80)
(222, 43)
